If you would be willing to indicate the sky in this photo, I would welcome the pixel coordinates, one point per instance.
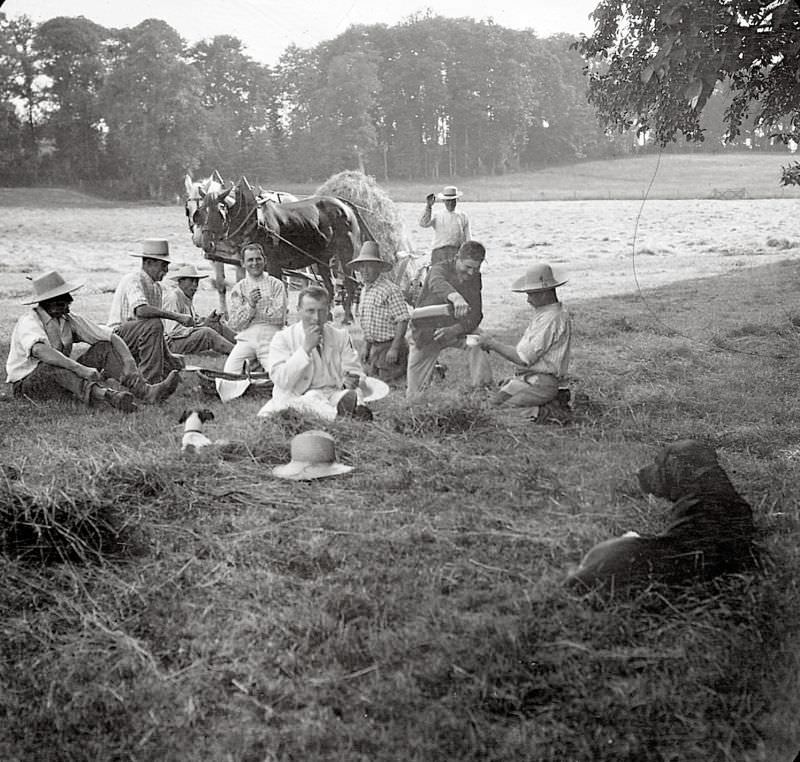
(267, 27)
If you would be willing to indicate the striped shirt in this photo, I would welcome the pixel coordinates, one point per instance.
(134, 290)
(270, 308)
(449, 228)
(382, 307)
(545, 345)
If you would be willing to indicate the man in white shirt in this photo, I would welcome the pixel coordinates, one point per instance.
(314, 366)
(40, 363)
(206, 334)
(450, 228)
(257, 313)
(542, 355)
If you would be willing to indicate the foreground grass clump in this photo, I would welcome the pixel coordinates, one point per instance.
(413, 608)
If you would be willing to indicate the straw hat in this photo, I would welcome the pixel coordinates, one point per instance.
(154, 248)
(49, 285)
(449, 192)
(370, 253)
(372, 389)
(537, 278)
(313, 457)
(187, 271)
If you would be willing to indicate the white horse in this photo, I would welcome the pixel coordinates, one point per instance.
(195, 192)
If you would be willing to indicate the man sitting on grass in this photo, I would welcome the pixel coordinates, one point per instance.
(136, 313)
(39, 364)
(542, 354)
(207, 334)
(313, 365)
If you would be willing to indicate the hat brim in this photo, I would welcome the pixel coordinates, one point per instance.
(373, 389)
(442, 197)
(359, 260)
(520, 289)
(162, 257)
(298, 470)
(178, 276)
(67, 288)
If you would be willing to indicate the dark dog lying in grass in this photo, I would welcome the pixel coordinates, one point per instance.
(711, 531)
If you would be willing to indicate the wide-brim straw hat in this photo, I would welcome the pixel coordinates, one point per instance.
(449, 192)
(538, 278)
(154, 248)
(48, 286)
(313, 457)
(372, 389)
(370, 253)
(187, 271)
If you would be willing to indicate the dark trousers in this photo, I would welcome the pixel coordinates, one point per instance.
(200, 339)
(50, 382)
(145, 339)
(378, 366)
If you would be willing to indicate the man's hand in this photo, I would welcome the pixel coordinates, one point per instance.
(430, 198)
(393, 355)
(313, 338)
(90, 374)
(485, 342)
(185, 320)
(447, 333)
(460, 304)
(351, 380)
(254, 297)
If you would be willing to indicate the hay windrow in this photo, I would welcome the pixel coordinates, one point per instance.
(374, 205)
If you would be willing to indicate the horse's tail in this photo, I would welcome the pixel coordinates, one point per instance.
(357, 232)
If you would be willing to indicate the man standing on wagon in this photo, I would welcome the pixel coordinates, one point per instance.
(450, 228)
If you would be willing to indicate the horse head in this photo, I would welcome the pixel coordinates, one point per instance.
(197, 191)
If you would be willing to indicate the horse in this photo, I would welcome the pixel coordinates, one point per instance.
(311, 232)
(196, 193)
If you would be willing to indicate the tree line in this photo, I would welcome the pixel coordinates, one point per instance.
(128, 111)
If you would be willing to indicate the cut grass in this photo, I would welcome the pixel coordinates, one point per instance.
(413, 608)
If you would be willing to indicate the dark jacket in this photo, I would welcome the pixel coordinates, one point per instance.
(443, 280)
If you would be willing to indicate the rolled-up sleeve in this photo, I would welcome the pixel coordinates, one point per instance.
(88, 331)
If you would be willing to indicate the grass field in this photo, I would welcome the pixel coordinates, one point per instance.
(413, 609)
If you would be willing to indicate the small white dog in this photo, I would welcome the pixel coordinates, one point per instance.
(193, 437)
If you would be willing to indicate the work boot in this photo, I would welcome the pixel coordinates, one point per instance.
(120, 400)
(348, 403)
(154, 393)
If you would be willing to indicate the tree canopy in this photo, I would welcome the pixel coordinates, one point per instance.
(129, 111)
(653, 65)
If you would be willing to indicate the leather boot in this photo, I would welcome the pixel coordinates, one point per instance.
(154, 393)
(119, 399)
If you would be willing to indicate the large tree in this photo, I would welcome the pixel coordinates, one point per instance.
(70, 54)
(653, 64)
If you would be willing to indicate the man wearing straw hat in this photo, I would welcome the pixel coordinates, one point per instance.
(136, 314)
(207, 334)
(383, 315)
(449, 308)
(40, 365)
(257, 313)
(450, 228)
(542, 354)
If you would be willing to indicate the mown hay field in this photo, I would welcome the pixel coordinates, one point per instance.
(413, 609)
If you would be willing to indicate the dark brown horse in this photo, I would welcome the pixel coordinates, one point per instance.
(320, 232)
